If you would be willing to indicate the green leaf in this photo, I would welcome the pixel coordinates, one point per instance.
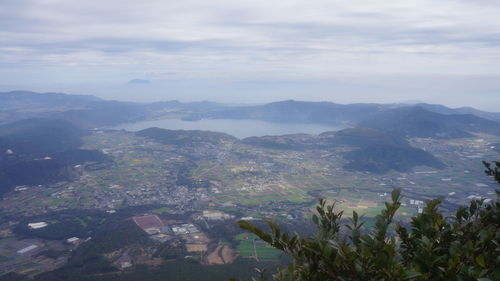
(480, 261)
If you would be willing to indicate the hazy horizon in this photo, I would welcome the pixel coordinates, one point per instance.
(159, 97)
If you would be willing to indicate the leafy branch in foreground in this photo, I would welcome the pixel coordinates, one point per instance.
(494, 172)
(464, 246)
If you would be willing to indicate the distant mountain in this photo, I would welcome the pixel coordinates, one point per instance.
(382, 158)
(416, 121)
(182, 137)
(85, 111)
(362, 137)
(495, 116)
(424, 120)
(89, 111)
(104, 113)
(18, 105)
(373, 151)
(26, 100)
(301, 112)
(39, 151)
(294, 142)
(378, 152)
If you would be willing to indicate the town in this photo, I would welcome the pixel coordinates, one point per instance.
(182, 191)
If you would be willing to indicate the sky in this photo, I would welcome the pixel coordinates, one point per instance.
(445, 51)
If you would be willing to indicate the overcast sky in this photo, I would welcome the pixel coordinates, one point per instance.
(256, 51)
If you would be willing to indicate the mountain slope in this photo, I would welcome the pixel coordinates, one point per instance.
(39, 136)
(495, 116)
(39, 152)
(382, 158)
(185, 137)
(372, 150)
(418, 122)
(301, 112)
(26, 100)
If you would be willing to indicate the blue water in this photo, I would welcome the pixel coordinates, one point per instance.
(238, 128)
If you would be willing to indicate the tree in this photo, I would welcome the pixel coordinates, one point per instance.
(461, 247)
(494, 172)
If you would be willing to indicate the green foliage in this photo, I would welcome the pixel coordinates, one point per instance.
(494, 172)
(172, 250)
(465, 246)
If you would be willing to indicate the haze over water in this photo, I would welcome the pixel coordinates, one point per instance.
(237, 128)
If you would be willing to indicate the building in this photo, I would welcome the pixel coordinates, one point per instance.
(37, 225)
(73, 240)
(27, 249)
(216, 215)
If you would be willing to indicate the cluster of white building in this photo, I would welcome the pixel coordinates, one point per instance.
(216, 215)
(185, 228)
(419, 204)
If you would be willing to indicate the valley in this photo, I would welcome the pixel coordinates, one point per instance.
(88, 189)
(236, 179)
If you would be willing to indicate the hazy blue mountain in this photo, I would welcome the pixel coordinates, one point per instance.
(185, 137)
(416, 121)
(362, 137)
(26, 100)
(86, 111)
(461, 110)
(295, 141)
(18, 105)
(382, 158)
(424, 120)
(301, 112)
(353, 137)
(373, 151)
(104, 113)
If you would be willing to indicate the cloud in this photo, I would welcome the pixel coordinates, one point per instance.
(118, 40)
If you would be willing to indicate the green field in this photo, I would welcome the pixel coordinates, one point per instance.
(246, 247)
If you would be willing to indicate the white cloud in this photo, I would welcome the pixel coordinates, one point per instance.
(267, 40)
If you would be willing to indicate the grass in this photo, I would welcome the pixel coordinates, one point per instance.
(245, 247)
(161, 210)
(82, 222)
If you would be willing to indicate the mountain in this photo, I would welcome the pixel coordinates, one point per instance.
(373, 151)
(379, 152)
(362, 137)
(18, 105)
(26, 100)
(382, 158)
(82, 110)
(416, 121)
(301, 112)
(89, 111)
(495, 116)
(184, 137)
(103, 113)
(39, 136)
(425, 120)
(40, 151)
